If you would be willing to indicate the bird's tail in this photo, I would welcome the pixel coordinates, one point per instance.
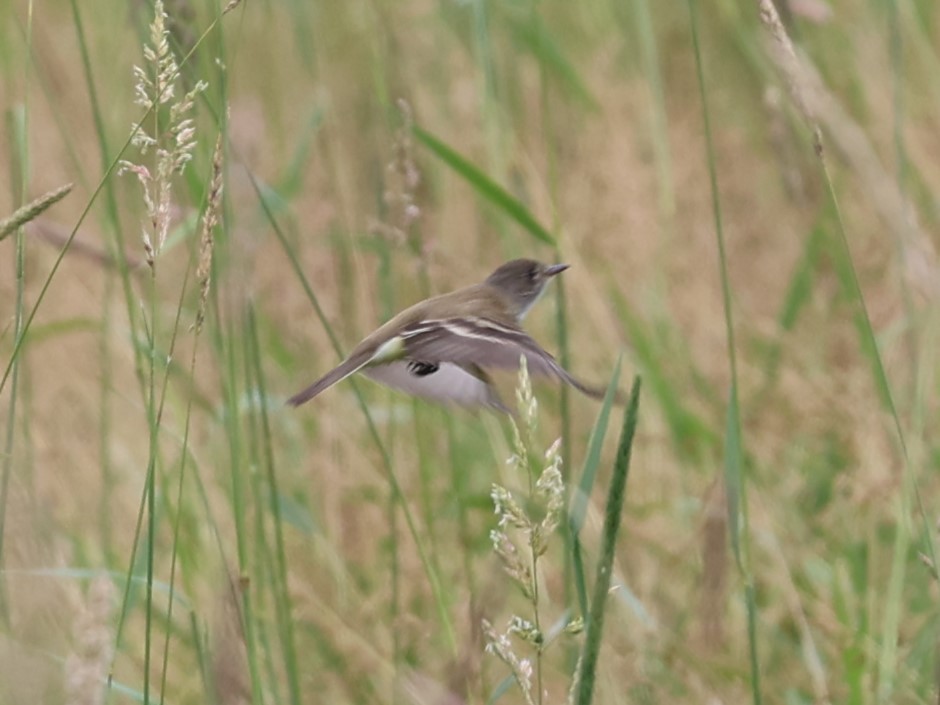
(337, 374)
(590, 390)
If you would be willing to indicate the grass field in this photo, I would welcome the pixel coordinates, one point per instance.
(752, 231)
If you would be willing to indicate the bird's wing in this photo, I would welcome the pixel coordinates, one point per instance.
(443, 382)
(484, 343)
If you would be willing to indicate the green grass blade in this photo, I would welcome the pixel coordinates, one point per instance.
(734, 478)
(592, 460)
(281, 592)
(801, 283)
(501, 689)
(587, 670)
(291, 182)
(911, 496)
(798, 295)
(659, 121)
(17, 124)
(536, 38)
(485, 186)
(579, 501)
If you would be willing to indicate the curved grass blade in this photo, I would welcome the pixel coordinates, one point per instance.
(579, 501)
(538, 40)
(615, 498)
(485, 186)
(501, 689)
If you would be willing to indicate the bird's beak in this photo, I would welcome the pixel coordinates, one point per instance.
(553, 269)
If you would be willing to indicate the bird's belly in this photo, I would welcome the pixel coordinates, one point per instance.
(440, 382)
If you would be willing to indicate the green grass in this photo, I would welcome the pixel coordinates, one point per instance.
(776, 543)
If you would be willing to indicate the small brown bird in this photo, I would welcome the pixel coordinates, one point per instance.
(441, 347)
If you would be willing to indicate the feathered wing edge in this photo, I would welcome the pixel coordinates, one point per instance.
(482, 343)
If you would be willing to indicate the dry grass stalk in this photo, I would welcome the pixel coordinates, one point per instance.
(229, 653)
(714, 566)
(86, 668)
(781, 141)
(815, 11)
(31, 210)
(819, 106)
(785, 56)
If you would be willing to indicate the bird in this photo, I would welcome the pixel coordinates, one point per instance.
(441, 348)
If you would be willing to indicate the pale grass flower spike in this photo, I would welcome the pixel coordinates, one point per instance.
(520, 558)
(173, 143)
(501, 646)
(207, 240)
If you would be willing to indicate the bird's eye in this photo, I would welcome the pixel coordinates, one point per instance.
(533, 273)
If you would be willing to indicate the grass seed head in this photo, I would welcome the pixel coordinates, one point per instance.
(173, 143)
(32, 210)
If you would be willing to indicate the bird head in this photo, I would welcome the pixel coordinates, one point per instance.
(522, 281)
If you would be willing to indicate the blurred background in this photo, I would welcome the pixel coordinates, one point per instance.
(134, 444)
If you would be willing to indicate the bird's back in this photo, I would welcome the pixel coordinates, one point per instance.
(469, 301)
